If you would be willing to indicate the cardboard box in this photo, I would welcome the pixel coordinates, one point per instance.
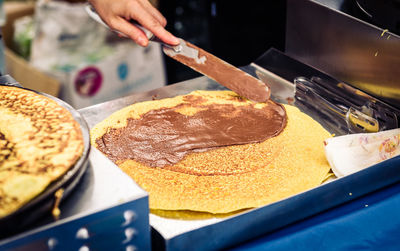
(17, 66)
(28, 76)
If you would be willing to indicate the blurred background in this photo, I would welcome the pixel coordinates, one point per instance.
(53, 46)
(236, 31)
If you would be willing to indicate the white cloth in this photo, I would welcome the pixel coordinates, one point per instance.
(350, 153)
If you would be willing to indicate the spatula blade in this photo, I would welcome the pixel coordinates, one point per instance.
(222, 72)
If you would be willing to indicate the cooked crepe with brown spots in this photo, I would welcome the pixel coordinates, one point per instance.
(218, 179)
(39, 142)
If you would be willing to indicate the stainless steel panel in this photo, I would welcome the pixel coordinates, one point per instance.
(337, 106)
(352, 50)
(123, 226)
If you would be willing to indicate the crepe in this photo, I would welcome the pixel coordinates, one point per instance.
(39, 142)
(229, 178)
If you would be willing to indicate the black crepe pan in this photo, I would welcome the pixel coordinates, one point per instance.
(42, 204)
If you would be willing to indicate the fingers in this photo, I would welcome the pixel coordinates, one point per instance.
(128, 29)
(152, 20)
(157, 29)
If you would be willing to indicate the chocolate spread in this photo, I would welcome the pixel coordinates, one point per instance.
(163, 137)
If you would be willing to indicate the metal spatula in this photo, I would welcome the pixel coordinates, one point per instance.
(201, 61)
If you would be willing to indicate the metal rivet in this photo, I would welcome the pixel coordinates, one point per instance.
(129, 216)
(130, 233)
(131, 248)
(84, 248)
(82, 233)
(52, 243)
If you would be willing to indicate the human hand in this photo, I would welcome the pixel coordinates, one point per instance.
(117, 13)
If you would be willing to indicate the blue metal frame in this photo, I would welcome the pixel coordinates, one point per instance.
(125, 226)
